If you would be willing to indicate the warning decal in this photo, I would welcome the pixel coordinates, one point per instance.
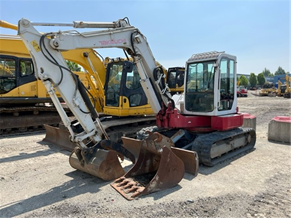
(35, 45)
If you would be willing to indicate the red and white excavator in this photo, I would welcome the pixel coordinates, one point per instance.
(203, 122)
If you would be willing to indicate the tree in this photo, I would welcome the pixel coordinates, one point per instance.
(73, 66)
(267, 72)
(243, 81)
(280, 71)
(261, 79)
(253, 80)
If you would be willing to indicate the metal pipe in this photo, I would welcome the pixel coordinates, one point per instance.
(79, 24)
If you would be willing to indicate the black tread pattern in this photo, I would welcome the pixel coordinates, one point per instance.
(203, 144)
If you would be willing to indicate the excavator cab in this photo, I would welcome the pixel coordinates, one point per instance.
(18, 84)
(204, 77)
(175, 79)
(124, 95)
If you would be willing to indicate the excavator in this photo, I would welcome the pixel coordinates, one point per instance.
(287, 93)
(267, 89)
(281, 89)
(201, 125)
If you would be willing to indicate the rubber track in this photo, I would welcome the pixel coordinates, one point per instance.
(203, 145)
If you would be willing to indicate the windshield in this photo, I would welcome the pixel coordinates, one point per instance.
(200, 84)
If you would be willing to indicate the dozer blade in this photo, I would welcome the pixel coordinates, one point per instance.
(98, 162)
(157, 166)
(189, 158)
(59, 137)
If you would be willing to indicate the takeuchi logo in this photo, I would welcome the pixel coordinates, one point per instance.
(113, 42)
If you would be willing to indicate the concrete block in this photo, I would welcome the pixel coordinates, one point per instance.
(249, 121)
(279, 129)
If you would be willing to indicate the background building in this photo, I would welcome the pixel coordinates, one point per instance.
(282, 78)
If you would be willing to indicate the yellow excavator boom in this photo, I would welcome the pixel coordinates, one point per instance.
(5, 24)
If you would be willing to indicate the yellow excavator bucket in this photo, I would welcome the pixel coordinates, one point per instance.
(158, 166)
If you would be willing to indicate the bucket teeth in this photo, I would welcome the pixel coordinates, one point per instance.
(120, 179)
(123, 183)
(128, 187)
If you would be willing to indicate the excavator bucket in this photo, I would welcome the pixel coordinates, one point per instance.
(101, 160)
(157, 167)
(101, 163)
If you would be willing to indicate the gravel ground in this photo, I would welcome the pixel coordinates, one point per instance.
(37, 180)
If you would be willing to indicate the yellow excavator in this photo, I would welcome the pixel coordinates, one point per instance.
(281, 89)
(267, 88)
(287, 93)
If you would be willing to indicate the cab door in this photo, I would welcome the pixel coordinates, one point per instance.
(26, 81)
(131, 90)
(227, 85)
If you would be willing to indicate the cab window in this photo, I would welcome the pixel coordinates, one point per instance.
(26, 68)
(7, 74)
(227, 68)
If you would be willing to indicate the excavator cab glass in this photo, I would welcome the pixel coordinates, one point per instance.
(7, 75)
(175, 79)
(15, 72)
(113, 80)
(210, 84)
(199, 95)
(122, 85)
(226, 84)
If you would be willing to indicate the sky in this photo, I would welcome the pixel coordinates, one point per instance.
(257, 32)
